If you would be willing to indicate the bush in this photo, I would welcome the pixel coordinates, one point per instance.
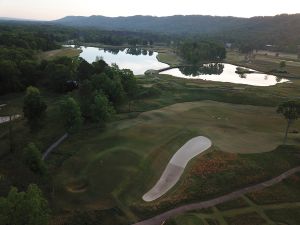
(33, 159)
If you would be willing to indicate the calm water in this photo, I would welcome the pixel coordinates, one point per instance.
(228, 75)
(139, 61)
(135, 59)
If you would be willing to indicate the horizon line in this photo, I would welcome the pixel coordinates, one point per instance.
(8, 18)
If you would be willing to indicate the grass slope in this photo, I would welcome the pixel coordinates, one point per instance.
(131, 154)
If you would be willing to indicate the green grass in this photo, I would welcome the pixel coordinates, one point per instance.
(186, 219)
(281, 55)
(285, 216)
(67, 52)
(233, 204)
(266, 63)
(245, 219)
(169, 58)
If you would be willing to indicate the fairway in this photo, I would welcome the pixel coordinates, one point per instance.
(105, 161)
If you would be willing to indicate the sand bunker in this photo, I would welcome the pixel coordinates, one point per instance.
(176, 166)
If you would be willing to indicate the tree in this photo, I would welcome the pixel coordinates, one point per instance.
(34, 107)
(29, 72)
(58, 75)
(130, 86)
(71, 114)
(86, 95)
(282, 64)
(195, 52)
(99, 65)
(33, 159)
(110, 84)
(9, 77)
(291, 111)
(247, 49)
(24, 208)
(101, 109)
(85, 70)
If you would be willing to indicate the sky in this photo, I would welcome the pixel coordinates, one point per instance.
(55, 9)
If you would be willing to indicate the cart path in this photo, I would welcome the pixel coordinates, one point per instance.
(54, 145)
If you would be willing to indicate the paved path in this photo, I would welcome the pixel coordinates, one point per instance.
(159, 219)
(54, 145)
(176, 166)
(5, 119)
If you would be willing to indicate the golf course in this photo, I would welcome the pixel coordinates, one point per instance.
(134, 127)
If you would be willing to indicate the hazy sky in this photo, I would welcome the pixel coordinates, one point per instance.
(54, 9)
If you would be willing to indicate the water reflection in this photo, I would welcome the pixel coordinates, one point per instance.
(212, 68)
(114, 51)
(129, 51)
(243, 75)
(225, 73)
(140, 60)
(137, 59)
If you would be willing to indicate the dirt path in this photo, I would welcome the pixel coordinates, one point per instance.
(54, 145)
(159, 219)
(176, 166)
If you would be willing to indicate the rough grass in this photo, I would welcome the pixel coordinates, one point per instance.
(278, 204)
(216, 173)
(286, 191)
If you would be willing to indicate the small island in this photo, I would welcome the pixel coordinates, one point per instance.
(242, 70)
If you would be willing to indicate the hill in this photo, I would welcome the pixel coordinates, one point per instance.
(171, 24)
(192, 24)
(281, 31)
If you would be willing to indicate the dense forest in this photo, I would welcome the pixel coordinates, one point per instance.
(280, 33)
(87, 35)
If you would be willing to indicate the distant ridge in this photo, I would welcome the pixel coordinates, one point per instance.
(178, 24)
(15, 19)
(168, 24)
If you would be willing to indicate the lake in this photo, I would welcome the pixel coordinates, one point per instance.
(228, 74)
(140, 60)
(135, 59)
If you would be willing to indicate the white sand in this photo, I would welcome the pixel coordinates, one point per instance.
(176, 166)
